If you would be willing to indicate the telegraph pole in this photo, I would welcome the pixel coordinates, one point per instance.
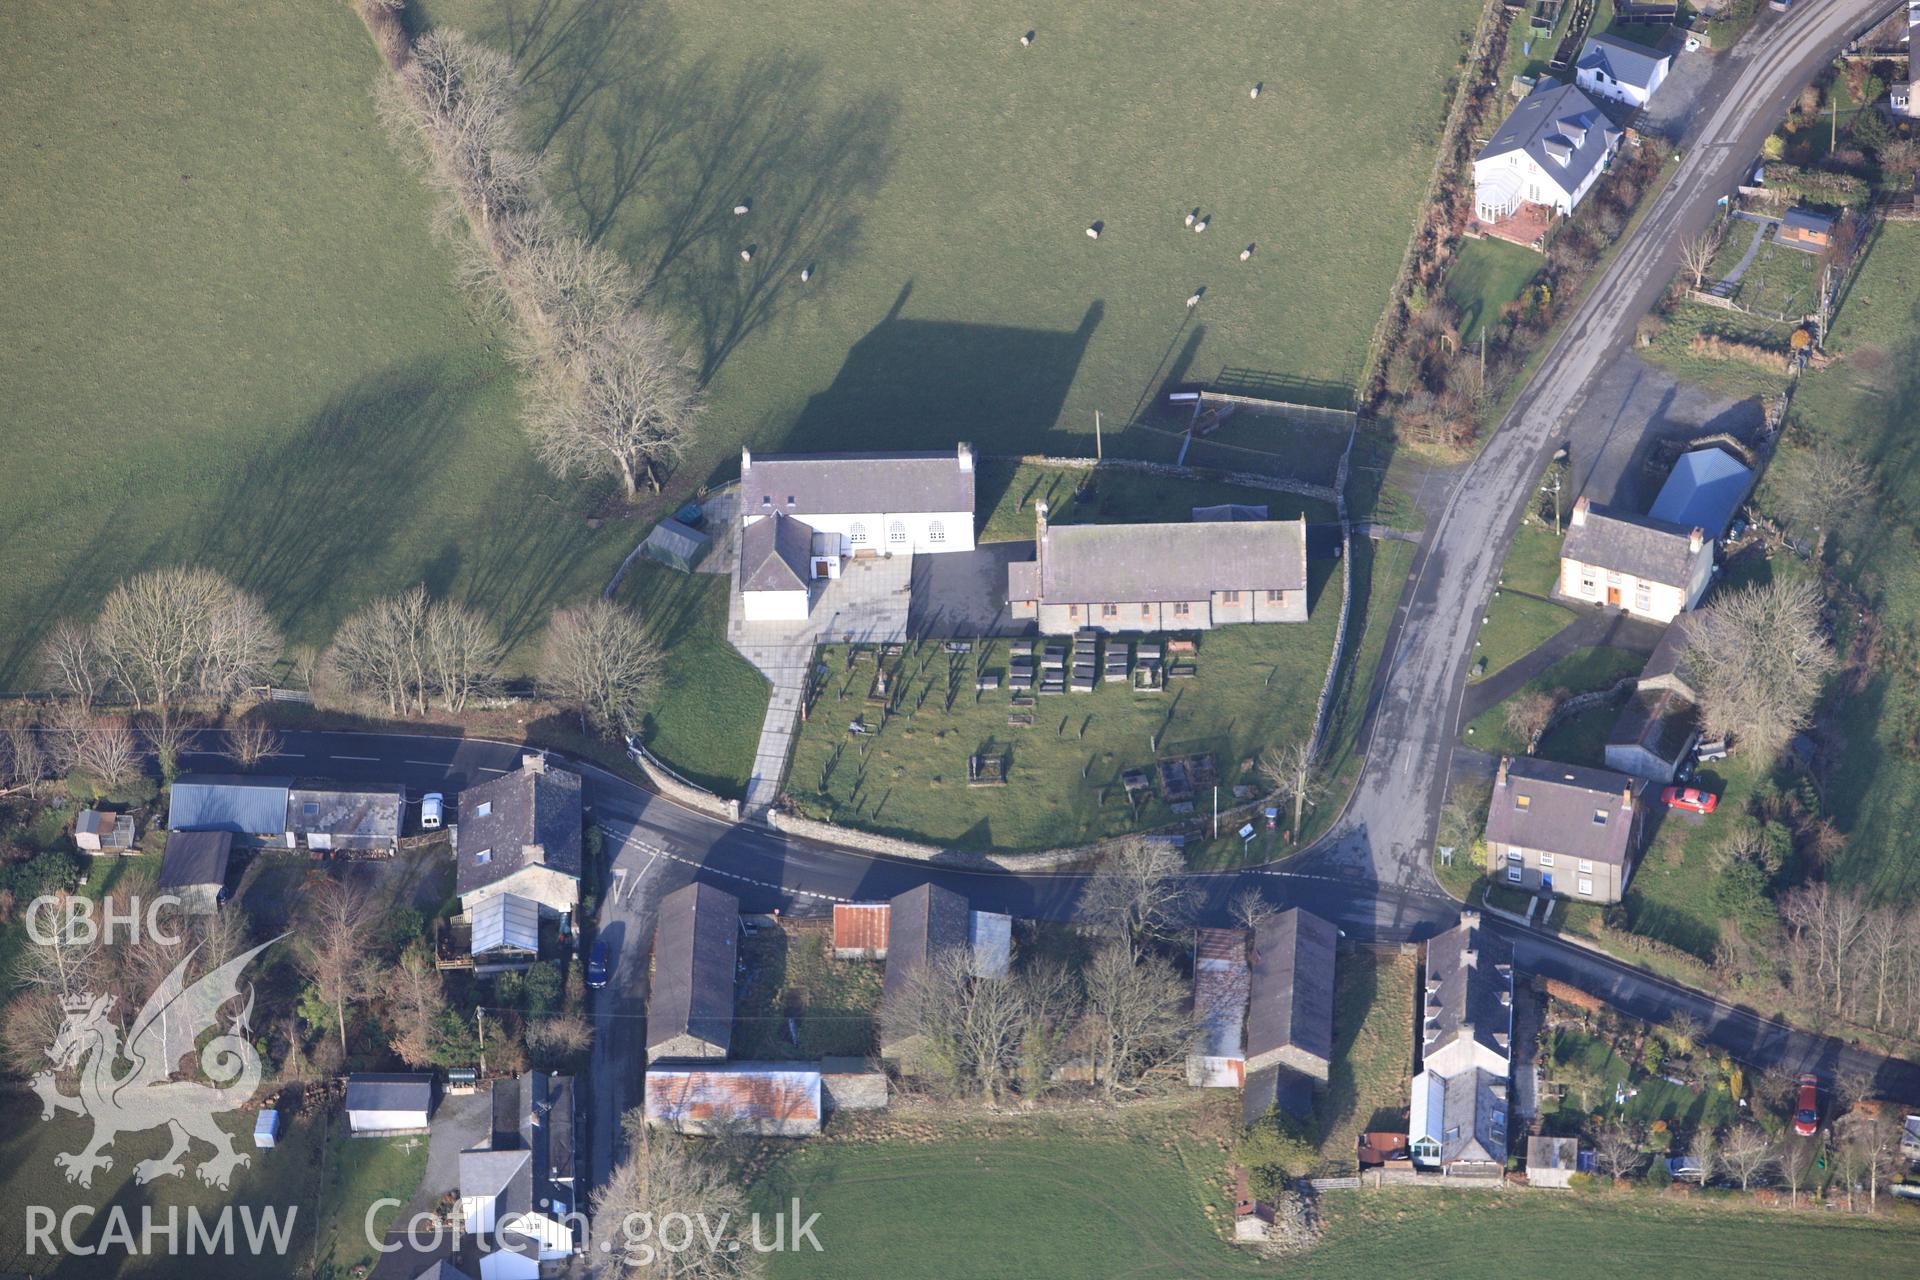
(1098, 455)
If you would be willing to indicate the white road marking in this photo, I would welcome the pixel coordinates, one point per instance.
(285, 755)
(697, 865)
(431, 764)
(490, 769)
(367, 758)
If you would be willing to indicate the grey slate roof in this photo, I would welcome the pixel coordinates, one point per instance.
(244, 805)
(505, 1177)
(1467, 962)
(389, 1091)
(1560, 128)
(1540, 804)
(773, 554)
(1125, 563)
(1630, 64)
(1707, 486)
(536, 806)
(853, 483)
(1660, 720)
(1639, 546)
(695, 949)
(195, 858)
(1290, 1001)
(1666, 667)
(364, 813)
(1799, 219)
(1272, 1087)
(922, 924)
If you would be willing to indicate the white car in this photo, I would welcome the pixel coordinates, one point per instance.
(432, 807)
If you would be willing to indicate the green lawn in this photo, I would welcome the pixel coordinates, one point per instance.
(1007, 492)
(233, 339)
(1780, 279)
(1256, 685)
(1671, 349)
(1084, 1207)
(1515, 625)
(1485, 276)
(1372, 1052)
(705, 722)
(940, 178)
(792, 977)
(1582, 671)
(1581, 738)
(329, 1211)
(1591, 1068)
(1869, 401)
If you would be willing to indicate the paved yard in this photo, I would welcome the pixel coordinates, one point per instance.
(460, 1123)
(964, 594)
(1632, 407)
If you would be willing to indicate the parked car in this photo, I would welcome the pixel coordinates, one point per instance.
(597, 965)
(1806, 1111)
(1692, 799)
(432, 810)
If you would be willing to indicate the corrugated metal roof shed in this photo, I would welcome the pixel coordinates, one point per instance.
(861, 927)
(246, 806)
(506, 922)
(757, 1096)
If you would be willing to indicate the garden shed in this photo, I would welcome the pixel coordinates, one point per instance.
(676, 545)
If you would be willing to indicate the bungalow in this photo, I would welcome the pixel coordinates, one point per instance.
(1645, 566)
(193, 868)
(1221, 980)
(1609, 67)
(765, 1099)
(1458, 1121)
(520, 833)
(695, 955)
(1548, 152)
(1160, 577)
(1805, 229)
(1561, 828)
(380, 1103)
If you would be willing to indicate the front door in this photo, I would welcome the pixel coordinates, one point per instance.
(1613, 597)
(1546, 882)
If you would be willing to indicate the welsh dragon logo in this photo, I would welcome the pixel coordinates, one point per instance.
(146, 1095)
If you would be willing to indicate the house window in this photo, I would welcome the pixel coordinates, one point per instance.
(1276, 597)
(310, 809)
(1073, 611)
(1513, 873)
(482, 857)
(1146, 611)
(1589, 587)
(936, 532)
(1230, 597)
(1614, 579)
(1426, 1149)
(1181, 608)
(857, 532)
(1522, 802)
(766, 500)
(1599, 817)
(1109, 610)
(484, 809)
(1513, 853)
(789, 502)
(1643, 601)
(1586, 867)
(896, 532)
(1586, 887)
(1546, 858)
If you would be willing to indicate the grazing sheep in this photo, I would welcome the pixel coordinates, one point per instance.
(1026, 41)
(806, 274)
(1200, 226)
(743, 208)
(1246, 253)
(746, 254)
(1093, 232)
(1255, 91)
(1194, 301)
(1191, 216)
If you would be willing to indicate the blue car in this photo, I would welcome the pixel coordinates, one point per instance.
(597, 965)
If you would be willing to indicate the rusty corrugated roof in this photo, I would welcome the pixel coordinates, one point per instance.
(737, 1092)
(861, 925)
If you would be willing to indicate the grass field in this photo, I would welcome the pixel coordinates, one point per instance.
(1007, 492)
(327, 1180)
(705, 722)
(794, 984)
(1372, 1065)
(1087, 1207)
(1582, 671)
(1520, 617)
(1869, 402)
(1671, 350)
(940, 178)
(1485, 276)
(234, 341)
(1256, 685)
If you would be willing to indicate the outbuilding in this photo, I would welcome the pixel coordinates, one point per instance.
(384, 1103)
(193, 868)
(1804, 229)
(676, 545)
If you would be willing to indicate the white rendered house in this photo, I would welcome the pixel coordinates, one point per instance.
(1622, 71)
(879, 503)
(1549, 152)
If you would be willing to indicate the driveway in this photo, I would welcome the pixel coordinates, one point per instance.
(460, 1123)
(963, 594)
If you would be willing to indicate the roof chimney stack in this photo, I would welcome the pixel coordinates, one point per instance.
(1695, 538)
(965, 452)
(533, 762)
(746, 460)
(1626, 799)
(535, 854)
(1580, 509)
(1500, 774)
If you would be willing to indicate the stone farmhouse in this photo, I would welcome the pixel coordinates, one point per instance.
(1161, 577)
(1549, 153)
(1619, 69)
(1561, 828)
(1648, 567)
(520, 833)
(803, 515)
(1458, 1121)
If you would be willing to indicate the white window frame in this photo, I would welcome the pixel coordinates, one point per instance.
(1586, 888)
(1586, 867)
(936, 531)
(484, 809)
(1513, 872)
(857, 533)
(897, 531)
(1514, 854)
(481, 857)
(1546, 858)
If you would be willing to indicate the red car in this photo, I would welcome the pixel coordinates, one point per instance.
(1692, 799)
(1806, 1111)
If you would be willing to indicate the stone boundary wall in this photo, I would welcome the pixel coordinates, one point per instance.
(678, 789)
(893, 847)
(1248, 479)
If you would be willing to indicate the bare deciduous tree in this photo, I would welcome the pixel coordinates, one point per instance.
(1250, 909)
(1528, 715)
(177, 634)
(251, 739)
(1697, 254)
(335, 922)
(70, 661)
(1819, 487)
(1681, 1032)
(414, 997)
(29, 1027)
(664, 1175)
(1616, 1152)
(968, 1025)
(559, 1033)
(622, 406)
(167, 734)
(600, 661)
(1293, 771)
(222, 934)
(409, 650)
(1747, 1154)
(1758, 657)
(107, 752)
(1137, 1015)
(25, 764)
(1139, 888)
(1795, 1157)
